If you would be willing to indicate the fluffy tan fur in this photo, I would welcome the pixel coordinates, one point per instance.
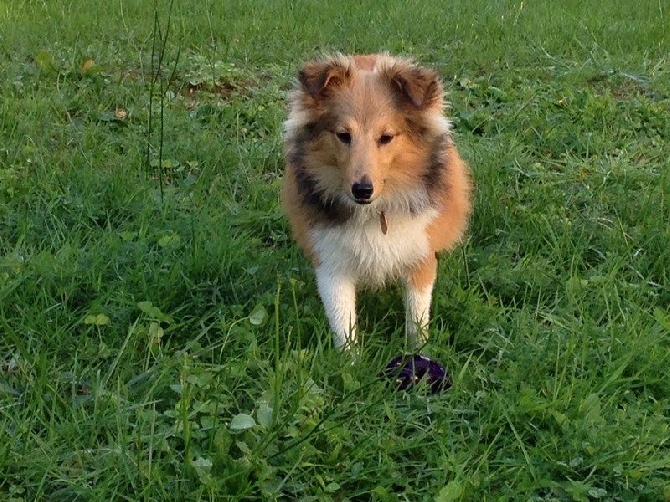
(377, 120)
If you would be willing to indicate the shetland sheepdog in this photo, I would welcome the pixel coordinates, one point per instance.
(374, 186)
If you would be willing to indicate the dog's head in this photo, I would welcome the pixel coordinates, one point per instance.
(365, 126)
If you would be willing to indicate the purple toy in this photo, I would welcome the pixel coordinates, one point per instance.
(408, 370)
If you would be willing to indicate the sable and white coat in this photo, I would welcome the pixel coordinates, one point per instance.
(374, 186)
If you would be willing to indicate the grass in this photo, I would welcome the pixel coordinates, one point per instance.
(161, 337)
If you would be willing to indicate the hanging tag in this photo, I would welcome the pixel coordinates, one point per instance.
(382, 222)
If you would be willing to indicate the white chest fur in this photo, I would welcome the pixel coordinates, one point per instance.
(360, 250)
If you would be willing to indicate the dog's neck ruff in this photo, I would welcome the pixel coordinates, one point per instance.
(361, 250)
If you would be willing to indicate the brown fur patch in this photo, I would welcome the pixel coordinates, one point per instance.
(449, 227)
(317, 76)
(423, 276)
(421, 85)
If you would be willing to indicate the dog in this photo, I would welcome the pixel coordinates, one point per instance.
(374, 186)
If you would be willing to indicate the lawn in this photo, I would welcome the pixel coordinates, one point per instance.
(161, 337)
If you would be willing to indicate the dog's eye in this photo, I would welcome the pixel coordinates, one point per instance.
(385, 139)
(344, 137)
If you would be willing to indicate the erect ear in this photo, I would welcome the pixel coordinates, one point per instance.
(420, 85)
(317, 77)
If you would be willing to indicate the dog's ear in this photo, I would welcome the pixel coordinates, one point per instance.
(422, 86)
(318, 77)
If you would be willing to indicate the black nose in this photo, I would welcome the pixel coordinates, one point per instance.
(362, 191)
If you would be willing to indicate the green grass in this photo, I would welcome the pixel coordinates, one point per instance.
(161, 337)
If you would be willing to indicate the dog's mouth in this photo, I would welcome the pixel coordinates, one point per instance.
(363, 202)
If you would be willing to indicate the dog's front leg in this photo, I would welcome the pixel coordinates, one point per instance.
(418, 295)
(338, 294)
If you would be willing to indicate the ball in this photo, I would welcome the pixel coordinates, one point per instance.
(405, 371)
